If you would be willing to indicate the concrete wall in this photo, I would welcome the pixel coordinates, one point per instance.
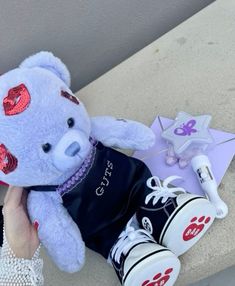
(90, 36)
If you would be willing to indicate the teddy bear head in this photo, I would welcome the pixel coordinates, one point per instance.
(44, 128)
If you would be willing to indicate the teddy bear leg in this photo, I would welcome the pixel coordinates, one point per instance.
(139, 260)
(176, 220)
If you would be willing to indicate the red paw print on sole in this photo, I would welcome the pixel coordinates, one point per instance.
(197, 225)
(159, 279)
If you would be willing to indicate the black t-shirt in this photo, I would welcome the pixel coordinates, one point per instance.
(106, 196)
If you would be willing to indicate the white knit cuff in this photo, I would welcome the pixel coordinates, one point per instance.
(19, 271)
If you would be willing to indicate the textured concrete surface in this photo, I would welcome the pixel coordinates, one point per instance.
(192, 69)
(225, 278)
(91, 36)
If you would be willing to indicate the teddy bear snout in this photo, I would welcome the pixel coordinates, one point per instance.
(72, 149)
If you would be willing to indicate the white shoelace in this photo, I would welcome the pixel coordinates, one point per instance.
(162, 191)
(128, 238)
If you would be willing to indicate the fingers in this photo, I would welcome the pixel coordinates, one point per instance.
(13, 197)
(24, 197)
(24, 202)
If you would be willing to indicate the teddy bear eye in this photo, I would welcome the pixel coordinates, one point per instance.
(46, 147)
(70, 122)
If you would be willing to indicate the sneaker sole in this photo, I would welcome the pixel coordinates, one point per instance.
(187, 225)
(157, 268)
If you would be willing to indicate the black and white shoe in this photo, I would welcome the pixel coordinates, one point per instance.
(139, 261)
(174, 218)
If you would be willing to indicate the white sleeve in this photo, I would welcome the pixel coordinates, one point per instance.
(19, 271)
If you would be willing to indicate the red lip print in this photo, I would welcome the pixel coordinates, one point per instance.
(8, 162)
(17, 100)
(159, 279)
(69, 96)
(194, 228)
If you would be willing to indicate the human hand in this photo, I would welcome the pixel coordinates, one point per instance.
(20, 233)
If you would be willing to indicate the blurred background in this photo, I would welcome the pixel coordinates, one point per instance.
(90, 36)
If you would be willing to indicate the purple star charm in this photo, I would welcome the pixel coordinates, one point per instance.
(188, 136)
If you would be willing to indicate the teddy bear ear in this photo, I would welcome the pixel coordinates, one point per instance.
(48, 61)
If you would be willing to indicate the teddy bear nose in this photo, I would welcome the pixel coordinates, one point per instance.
(72, 149)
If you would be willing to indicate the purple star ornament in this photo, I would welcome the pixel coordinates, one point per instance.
(187, 136)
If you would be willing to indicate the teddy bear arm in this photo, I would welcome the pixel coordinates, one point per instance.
(57, 231)
(122, 133)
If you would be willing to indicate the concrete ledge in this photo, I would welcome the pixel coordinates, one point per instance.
(191, 68)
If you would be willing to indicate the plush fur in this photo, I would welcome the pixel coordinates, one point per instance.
(47, 61)
(58, 231)
(45, 121)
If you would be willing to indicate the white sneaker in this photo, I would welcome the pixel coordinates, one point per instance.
(139, 261)
(174, 218)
